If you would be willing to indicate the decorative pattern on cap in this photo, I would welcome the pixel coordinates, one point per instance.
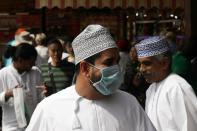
(92, 40)
(152, 46)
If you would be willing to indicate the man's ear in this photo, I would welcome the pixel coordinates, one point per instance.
(166, 63)
(84, 68)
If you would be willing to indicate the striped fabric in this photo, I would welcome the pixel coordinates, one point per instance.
(109, 3)
(63, 75)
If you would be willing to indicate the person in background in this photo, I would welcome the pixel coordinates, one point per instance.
(69, 49)
(181, 61)
(58, 74)
(62, 40)
(170, 100)
(18, 83)
(94, 103)
(171, 38)
(21, 36)
(67, 46)
(123, 46)
(183, 51)
(41, 49)
(134, 82)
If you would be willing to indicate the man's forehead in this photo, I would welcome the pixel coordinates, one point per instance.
(109, 55)
(112, 52)
(143, 59)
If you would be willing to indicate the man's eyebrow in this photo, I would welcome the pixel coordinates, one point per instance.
(108, 60)
(146, 62)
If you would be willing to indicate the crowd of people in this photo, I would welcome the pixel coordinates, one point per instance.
(94, 83)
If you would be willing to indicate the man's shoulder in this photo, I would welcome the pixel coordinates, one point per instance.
(4, 71)
(61, 97)
(126, 97)
(7, 69)
(174, 79)
(36, 70)
(171, 80)
(124, 94)
(129, 102)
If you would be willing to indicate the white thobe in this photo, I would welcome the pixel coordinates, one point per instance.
(67, 111)
(9, 79)
(172, 105)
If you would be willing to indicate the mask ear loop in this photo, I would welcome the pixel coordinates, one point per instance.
(96, 68)
(93, 66)
(91, 81)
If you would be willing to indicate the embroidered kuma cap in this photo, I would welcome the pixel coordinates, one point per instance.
(152, 46)
(92, 40)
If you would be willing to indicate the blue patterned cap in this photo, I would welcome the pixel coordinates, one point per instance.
(92, 40)
(152, 46)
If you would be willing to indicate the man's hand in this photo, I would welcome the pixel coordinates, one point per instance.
(9, 93)
(45, 89)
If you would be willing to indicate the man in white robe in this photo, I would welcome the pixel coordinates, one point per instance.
(20, 74)
(171, 103)
(94, 103)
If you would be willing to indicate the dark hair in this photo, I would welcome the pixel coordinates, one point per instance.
(23, 50)
(54, 41)
(90, 60)
(66, 39)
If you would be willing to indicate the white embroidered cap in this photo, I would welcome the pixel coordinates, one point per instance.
(92, 40)
(152, 46)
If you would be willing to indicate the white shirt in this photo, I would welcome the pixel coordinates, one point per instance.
(67, 111)
(43, 56)
(9, 79)
(172, 105)
(64, 55)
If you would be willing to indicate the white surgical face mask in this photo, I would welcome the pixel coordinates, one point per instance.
(110, 81)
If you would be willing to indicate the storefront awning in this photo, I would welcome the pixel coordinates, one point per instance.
(109, 3)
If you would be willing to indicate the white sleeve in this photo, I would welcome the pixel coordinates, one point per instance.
(145, 123)
(183, 104)
(142, 119)
(2, 98)
(38, 120)
(2, 92)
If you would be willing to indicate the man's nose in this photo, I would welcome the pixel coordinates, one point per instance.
(142, 68)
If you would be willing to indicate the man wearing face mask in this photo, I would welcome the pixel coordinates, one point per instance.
(94, 103)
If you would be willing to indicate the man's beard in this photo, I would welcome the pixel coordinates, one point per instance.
(95, 78)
